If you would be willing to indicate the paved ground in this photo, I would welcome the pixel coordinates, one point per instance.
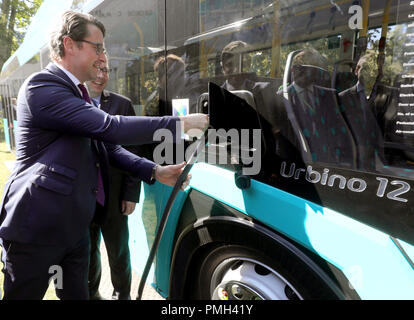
(106, 288)
(9, 165)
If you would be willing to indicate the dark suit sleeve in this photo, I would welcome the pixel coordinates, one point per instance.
(53, 106)
(127, 161)
(131, 186)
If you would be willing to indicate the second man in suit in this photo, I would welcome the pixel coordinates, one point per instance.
(125, 191)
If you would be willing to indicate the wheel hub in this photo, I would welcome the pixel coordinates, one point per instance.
(246, 279)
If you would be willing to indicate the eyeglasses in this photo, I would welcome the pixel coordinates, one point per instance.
(104, 70)
(99, 47)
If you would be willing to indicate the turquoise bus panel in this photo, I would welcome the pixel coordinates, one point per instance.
(143, 224)
(369, 259)
(409, 250)
(6, 133)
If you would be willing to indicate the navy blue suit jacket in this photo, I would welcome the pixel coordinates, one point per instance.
(123, 185)
(50, 197)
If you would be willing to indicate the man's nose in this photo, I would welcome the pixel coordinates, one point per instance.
(101, 74)
(102, 56)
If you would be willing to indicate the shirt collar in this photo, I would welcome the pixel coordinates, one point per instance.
(97, 101)
(71, 76)
(360, 87)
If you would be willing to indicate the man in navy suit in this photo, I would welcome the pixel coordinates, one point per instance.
(60, 177)
(357, 105)
(125, 192)
(314, 113)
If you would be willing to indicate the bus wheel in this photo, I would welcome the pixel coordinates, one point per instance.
(234, 272)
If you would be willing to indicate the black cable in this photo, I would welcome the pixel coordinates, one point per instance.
(166, 213)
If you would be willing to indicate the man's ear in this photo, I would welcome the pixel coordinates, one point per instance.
(69, 45)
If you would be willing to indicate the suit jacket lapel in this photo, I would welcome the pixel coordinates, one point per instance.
(59, 73)
(353, 90)
(105, 101)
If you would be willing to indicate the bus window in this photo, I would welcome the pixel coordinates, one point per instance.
(134, 40)
(332, 99)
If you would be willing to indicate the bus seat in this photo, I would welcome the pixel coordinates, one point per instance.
(344, 80)
(321, 130)
(315, 75)
(343, 76)
(323, 127)
(365, 130)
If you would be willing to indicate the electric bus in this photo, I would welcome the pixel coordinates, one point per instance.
(305, 190)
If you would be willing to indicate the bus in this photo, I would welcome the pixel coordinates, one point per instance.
(305, 192)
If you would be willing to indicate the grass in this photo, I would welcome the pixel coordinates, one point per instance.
(6, 155)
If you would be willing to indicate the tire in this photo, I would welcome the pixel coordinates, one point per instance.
(234, 272)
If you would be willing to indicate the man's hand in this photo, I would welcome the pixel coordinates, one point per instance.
(169, 174)
(194, 123)
(127, 207)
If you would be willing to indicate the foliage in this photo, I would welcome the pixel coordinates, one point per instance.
(77, 4)
(15, 17)
(394, 51)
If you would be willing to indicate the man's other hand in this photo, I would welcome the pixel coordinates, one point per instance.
(169, 174)
(127, 207)
(194, 123)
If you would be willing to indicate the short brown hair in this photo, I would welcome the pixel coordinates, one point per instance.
(234, 47)
(310, 56)
(159, 65)
(74, 25)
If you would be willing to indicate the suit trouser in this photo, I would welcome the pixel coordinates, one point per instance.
(27, 269)
(116, 236)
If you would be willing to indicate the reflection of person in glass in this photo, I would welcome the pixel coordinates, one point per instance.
(232, 64)
(356, 105)
(366, 71)
(304, 78)
(124, 194)
(170, 85)
(315, 108)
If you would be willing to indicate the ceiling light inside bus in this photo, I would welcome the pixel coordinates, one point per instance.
(375, 14)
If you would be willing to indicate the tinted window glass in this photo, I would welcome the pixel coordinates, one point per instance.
(134, 39)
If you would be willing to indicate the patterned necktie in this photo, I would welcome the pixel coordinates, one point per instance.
(100, 197)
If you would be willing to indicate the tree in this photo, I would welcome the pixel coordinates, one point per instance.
(15, 17)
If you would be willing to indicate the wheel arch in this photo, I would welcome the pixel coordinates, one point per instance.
(209, 232)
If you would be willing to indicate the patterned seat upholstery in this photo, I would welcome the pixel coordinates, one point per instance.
(322, 126)
(344, 80)
(367, 134)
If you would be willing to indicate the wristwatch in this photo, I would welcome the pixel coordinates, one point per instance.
(154, 169)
